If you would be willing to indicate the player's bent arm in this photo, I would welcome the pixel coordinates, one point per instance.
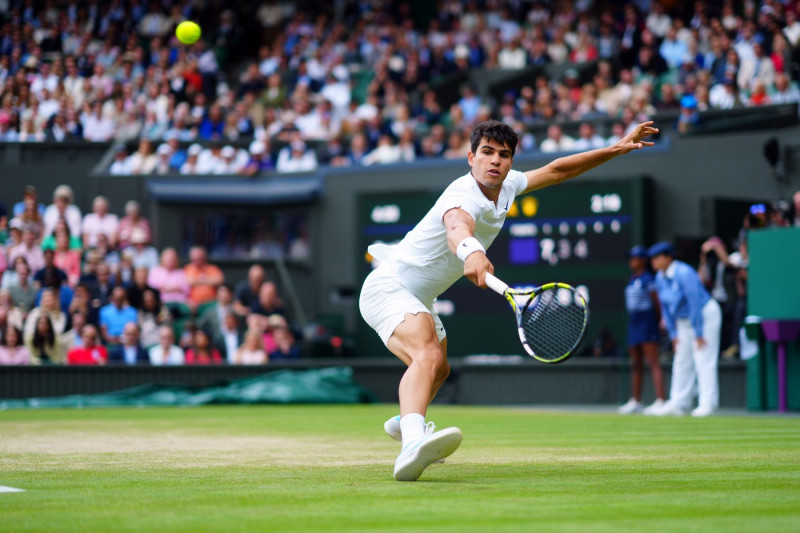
(460, 227)
(574, 165)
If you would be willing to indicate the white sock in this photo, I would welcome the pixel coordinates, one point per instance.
(412, 426)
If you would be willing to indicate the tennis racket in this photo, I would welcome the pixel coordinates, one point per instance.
(552, 320)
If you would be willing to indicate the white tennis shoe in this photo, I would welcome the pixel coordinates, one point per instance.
(633, 407)
(430, 448)
(392, 428)
(654, 407)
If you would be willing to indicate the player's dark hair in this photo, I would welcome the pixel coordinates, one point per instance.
(496, 131)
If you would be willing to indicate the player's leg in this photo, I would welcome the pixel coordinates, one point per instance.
(392, 426)
(415, 341)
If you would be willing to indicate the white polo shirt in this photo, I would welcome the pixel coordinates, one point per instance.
(422, 261)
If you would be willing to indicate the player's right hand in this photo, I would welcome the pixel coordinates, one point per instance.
(475, 268)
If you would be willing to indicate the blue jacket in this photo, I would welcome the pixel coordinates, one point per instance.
(682, 295)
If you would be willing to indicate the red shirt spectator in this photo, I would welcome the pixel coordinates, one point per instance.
(91, 353)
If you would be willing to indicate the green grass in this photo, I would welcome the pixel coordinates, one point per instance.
(329, 468)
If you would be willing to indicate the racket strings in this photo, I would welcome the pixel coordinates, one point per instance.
(553, 322)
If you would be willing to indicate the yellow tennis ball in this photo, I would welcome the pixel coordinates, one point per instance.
(188, 32)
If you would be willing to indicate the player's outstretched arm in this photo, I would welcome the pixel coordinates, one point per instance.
(570, 166)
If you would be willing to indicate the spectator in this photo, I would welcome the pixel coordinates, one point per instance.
(142, 255)
(757, 66)
(49, 274)
(228, 164)
(12, 349)
(693, 320)
(202, 276)
(296, 157)
(170, 279)
(690, 118)
(75, 242)
(44, 344)
(251, 352)
(20, 287)
(202, 352)
(62, 207)
(98, 279)
(72, 337)
(138, 286)
(66, 259)
(115, 315)
(725, 95)
(11, 313)
(214, 314)
(29, 250)
(587, 138)
(100, 221)
(92, 352)
(192, 166)
(143, 160)
(121, 166)
(130, 352)
(247, 291)
(151, 316)
(260, 160)
(285, 344)
(30, 198)
(228, 337)
(166, 352)
(785, 90)
(556, 140)
(131, 222)
(269, 302)
(82, 303)
(48, 306)
(385, 153)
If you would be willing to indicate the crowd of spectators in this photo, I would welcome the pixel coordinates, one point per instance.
(355, 82)
(90, 288)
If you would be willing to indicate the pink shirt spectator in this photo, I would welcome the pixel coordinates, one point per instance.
(33, 255)
(18, 355)
(69, 262)
(126, 227)
(95, 224)
(3, 264)
(172, 284)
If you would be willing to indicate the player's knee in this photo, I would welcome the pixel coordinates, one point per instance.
(443, 371)
(435, 363)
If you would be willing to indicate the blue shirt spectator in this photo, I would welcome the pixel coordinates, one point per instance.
(115, 315)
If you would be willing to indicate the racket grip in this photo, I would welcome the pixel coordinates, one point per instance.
(495, 284)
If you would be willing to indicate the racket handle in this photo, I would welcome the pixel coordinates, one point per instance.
(495, 284)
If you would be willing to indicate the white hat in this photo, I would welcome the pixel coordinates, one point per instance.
(195, 149)
(164, 149)
(257, 147)
(228, 151)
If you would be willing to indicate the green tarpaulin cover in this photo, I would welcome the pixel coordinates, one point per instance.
(327, 385)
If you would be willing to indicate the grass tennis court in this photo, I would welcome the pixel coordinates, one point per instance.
(329, 468)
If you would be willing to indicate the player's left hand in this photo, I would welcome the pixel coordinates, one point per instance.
(635, 139)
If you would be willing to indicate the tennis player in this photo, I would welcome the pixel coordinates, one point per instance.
(450, 241)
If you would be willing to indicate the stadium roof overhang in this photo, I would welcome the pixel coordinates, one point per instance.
(227, 191)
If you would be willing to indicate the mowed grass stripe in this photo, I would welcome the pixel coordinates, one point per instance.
(328, 468)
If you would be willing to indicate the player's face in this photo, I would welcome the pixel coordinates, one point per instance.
(490, 163)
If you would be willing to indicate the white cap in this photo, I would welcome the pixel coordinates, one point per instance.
(195, 149)
(164, 149)
(228, 151)
(257, 147)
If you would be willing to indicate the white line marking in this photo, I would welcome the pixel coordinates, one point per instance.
(3, 488)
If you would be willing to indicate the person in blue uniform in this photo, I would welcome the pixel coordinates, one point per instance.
(641, 301)
(693, 320)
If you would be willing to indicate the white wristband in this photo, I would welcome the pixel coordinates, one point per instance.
(467, 246)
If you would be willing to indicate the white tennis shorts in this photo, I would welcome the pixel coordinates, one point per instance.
(384, 304)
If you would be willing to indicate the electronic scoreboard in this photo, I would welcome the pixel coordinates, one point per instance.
(577, 232)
